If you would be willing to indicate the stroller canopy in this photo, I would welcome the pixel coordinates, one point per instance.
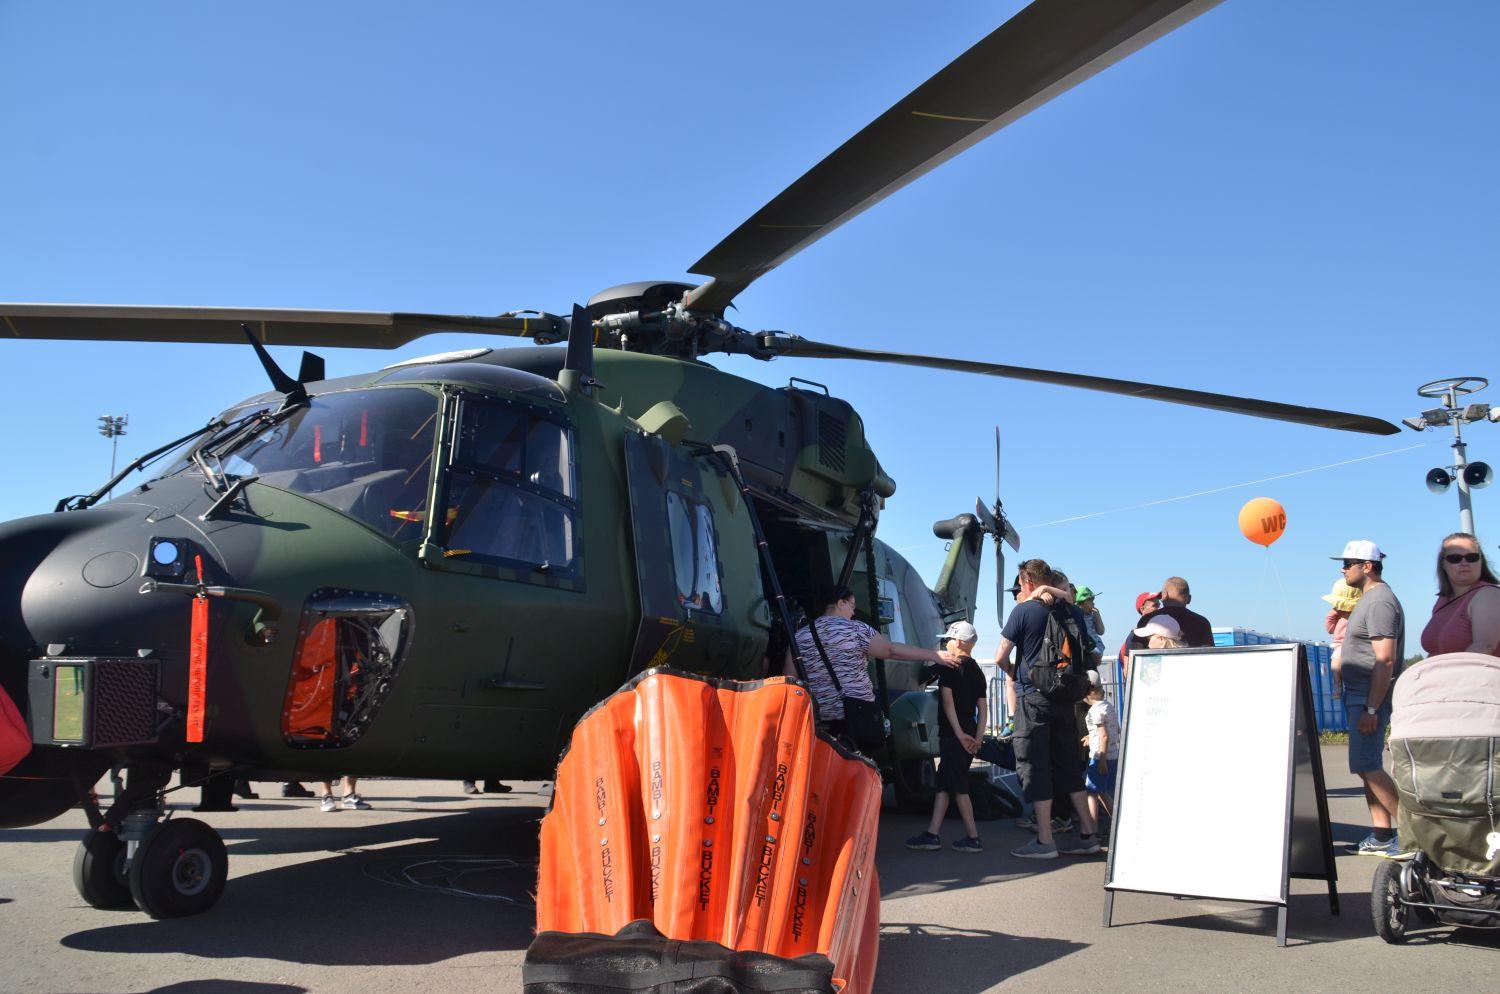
(1452, 696)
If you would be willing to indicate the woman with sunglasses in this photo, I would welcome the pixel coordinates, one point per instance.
(1466, 617)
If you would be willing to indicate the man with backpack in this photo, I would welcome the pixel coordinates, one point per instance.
(1051, 677)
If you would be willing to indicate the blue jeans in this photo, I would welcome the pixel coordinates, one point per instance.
(1366, 752)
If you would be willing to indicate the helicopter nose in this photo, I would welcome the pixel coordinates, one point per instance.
(66, 579)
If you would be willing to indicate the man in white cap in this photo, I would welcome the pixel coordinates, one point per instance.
(1374, 647)
(962, 713)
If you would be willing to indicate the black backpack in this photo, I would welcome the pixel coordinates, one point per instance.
(1058, 672)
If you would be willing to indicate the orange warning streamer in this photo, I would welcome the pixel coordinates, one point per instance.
(197, 661)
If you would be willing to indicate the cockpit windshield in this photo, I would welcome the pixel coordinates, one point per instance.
(366, 453)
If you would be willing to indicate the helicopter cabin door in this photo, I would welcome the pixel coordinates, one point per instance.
(677, 556)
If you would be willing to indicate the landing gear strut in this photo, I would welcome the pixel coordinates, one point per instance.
(168, 868)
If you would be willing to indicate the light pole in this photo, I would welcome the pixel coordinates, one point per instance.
(1468, 476)
(112, 426)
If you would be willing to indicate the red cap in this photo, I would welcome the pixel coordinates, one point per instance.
(1141, 599)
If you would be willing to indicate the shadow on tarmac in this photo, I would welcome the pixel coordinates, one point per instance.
(343, 909)
(906, 874)
(959, 961)
(1442, 935)
(227, 987)
(1308, 918)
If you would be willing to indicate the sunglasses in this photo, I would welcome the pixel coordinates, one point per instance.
(1351, 563)
(1013, 591)
(1454, 558)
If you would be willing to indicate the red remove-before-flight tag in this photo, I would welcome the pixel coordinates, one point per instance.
(197, 662)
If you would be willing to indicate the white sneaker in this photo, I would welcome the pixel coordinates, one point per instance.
(353, 802)
(328, 803)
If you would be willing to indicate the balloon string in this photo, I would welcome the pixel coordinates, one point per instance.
(1232, 486)
(1286, 607)
(1200, 493)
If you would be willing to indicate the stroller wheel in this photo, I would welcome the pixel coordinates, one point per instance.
(1385, 902)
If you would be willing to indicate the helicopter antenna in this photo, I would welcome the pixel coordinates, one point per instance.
(312, 368)
(295, 392)
(578, 368)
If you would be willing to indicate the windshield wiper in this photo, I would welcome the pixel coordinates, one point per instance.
(214, 480)
(79, 502)
(259, 423)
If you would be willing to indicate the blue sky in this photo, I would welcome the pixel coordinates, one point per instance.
(1282, 199)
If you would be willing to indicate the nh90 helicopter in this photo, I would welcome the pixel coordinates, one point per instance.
(386, 560)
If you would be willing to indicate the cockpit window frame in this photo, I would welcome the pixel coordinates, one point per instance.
(454, 461)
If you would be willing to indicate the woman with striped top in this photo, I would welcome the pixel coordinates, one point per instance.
(850, 645)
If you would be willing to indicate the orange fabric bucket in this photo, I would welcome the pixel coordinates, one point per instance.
(713, 809)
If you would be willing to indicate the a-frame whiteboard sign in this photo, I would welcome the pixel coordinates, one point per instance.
(1217, 737)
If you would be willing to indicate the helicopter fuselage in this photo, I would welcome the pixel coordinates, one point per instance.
(582, 536)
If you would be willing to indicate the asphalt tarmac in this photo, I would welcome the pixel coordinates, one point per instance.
(429, 890)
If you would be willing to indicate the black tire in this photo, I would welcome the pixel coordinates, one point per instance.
(99, 871)
(915, 781)
(179, 870)
(1389, 913)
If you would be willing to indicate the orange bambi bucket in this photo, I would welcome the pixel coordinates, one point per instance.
(712, 809)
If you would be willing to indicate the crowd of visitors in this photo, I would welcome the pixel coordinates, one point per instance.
(1067, 732)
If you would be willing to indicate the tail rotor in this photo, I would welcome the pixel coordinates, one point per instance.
(998, 527)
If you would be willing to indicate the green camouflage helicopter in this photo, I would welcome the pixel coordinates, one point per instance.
(384, 565)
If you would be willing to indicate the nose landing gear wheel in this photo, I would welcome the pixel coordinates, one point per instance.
(1385, 902)
(99, 871)
(180, 869)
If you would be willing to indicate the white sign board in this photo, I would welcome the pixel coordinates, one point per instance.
(1203, 802)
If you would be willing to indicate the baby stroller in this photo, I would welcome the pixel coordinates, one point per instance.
(1445, 758)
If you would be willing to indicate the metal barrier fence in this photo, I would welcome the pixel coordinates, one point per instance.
(1110, 681)
(1328, 706)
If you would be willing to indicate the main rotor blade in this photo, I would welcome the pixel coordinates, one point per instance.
(1315, 416)
(338, 329)
(1043, 51)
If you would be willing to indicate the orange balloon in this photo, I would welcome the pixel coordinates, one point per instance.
(1263, 520)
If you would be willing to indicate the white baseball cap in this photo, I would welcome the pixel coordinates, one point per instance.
(962, 631)
(1363, 550)
(1162, 624)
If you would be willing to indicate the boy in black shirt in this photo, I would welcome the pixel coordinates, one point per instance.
(962, 710)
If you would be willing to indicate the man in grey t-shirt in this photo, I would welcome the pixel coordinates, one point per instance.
(1374, 647)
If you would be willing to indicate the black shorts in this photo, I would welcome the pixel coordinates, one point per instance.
(953, 766)
(1046, 742)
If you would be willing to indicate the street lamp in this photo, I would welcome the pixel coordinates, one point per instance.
(1468, 476)
(112, 426)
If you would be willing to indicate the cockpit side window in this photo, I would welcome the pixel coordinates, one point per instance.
(509, 490)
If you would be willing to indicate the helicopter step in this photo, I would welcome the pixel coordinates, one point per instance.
(134, 853)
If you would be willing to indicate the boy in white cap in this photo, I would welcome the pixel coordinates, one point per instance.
(963, 706)
(1374, 647)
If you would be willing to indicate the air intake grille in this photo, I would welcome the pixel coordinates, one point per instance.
(833, 436)
(124, 702)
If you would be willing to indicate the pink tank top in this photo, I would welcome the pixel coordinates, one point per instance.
(1450, 629)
